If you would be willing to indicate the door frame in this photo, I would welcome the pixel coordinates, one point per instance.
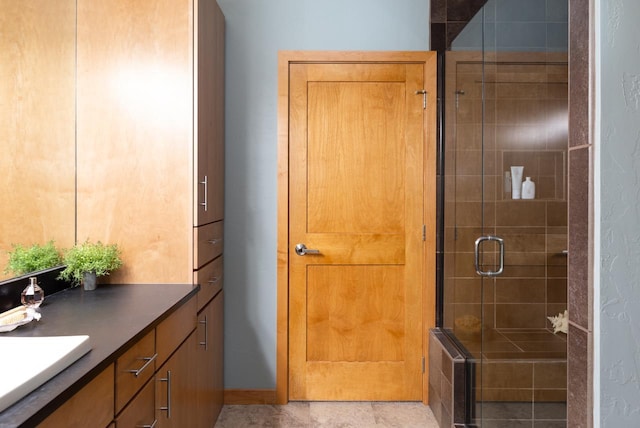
(285, 58)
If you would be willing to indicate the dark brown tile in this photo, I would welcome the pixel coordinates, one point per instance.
(578, 258)
(447, 395)
(550, 375)
(524, 272)
(550, 395)
(551, 410)
(507, 394)
(463, 10)
(543, 346)
(507, 375)
(459, 395)
(520, 290)
(447, 368)
(557, 271)
(530, 315)
(579, 402)
(579, 72)
(532, 336)
(525, 239)
(557, 291)
(438, 39)
(453, 29)
(521, 213)
(435, 404)
(525, 355)
(438, 10)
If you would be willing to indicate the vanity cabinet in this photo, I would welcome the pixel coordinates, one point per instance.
(166, 395)
(150, 132)
(175, 391)
(91, 406)
(210, 380)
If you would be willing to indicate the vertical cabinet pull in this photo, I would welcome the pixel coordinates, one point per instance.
(205, 204)
(489, 273)
(168, 406)
(206, 334)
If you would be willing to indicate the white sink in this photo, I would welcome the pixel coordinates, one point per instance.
(28, 362)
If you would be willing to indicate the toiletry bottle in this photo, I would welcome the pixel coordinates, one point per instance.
(516, 181)
(507, 182)
(528, 189)
(32, 296)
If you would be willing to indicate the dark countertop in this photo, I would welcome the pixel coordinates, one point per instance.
(113, 316)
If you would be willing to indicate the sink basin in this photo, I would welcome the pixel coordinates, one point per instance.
(28, 362)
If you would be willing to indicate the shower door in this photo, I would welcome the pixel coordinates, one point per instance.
(505, 258)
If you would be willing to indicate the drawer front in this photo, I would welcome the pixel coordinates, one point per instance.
(141, 411)
(210, 278)
(171, 332)
(208, 241)
(76, 413)
(134, 368)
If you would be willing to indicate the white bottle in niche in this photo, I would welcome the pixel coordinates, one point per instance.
(528, 189)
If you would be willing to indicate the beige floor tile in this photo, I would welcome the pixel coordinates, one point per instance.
(328, 415)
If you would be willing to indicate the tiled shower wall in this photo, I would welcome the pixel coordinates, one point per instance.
(580, 185)
(523, 123)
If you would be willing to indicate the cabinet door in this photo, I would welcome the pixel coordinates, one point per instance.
(210, 361)
(175, 388)
(141, 411)
(75, 413)
(209, 144)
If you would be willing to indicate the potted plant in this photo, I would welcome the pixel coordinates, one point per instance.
(24, 260)
(87, 261)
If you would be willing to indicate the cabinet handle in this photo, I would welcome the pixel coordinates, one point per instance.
(206, 334)
(213, 280)
(153, 425)
(206, 192)
(168, 406)
(148, 360)
(214, 241)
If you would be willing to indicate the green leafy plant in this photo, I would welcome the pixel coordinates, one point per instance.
(24, 260)
(89, 257)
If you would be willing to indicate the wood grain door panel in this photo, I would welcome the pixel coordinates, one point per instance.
(356, 194)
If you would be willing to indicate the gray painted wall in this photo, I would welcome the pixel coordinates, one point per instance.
(256, 30)
(518, 25)
(619, 154)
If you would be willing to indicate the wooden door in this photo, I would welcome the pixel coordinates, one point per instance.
(356, 164)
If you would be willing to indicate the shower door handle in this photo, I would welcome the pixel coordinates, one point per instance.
(500, 242)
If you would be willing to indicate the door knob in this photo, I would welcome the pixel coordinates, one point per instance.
(302, 250)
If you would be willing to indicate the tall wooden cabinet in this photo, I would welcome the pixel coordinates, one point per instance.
(150, 132)
(150, 157)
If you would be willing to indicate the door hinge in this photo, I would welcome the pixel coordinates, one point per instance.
(424, 232)
(424, 97)
(423, 365)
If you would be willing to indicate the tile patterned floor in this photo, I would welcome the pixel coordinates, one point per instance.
(329, 415)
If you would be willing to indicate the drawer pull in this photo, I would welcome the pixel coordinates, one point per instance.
(168, 406)
(205, 204)
(214, 241)
(148, 360)
(153, 425)
(206, 334)
(214, 280)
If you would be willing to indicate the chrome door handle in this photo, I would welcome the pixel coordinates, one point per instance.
(302, 250)
(500, 242)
